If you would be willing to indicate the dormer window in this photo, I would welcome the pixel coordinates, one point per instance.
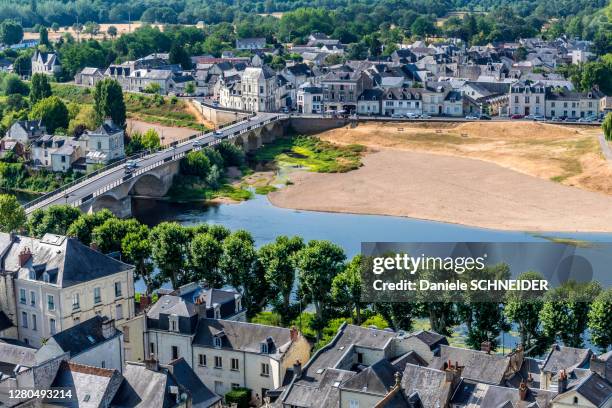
(45, 277)
(217, 342)
(173, 320)
(263, 348)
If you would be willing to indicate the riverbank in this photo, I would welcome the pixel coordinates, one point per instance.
(449, 189)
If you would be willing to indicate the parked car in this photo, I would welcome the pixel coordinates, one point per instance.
(412, 115)
(425, 116)
(484, 117)
(397, 115)
(516, 117)
(471, 117)
(538, 117)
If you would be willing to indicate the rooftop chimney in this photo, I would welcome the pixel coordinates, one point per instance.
(297, 369)
(24, 256)
(94, 246)
(152, 363)
(486, 347)
(523, 391)
(562, 382)
(108, 328)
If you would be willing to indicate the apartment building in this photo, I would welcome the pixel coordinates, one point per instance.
(527, 98)
(310, 98)
(342, 87)
(105, 144)
(571, 104)
(402, 101)
(59, 282)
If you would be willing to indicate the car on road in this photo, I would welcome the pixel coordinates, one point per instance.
(538, 117)
(397, 115)
(484, 117)
(516, 117)
(471, 117)
(218, 134)
(425, 116)
(412, 115)
(131, 164)
(199, 143)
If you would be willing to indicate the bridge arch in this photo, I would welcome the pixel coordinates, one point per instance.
(150, 185)
(110, 202)
(253, 141)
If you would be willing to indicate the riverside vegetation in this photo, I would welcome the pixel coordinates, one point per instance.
(267, 278)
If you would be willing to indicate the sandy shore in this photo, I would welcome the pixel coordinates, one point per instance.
(449, 189)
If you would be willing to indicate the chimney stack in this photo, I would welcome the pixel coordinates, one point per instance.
(297, 369)
(152, 363)
(486, 347)
(108, 328)
(94, 246)
(523, 391)
(562, 382)
(24, 256)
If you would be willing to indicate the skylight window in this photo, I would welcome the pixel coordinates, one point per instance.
(91, 339)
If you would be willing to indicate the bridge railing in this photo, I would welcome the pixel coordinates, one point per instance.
(84, 178)
(142, 170)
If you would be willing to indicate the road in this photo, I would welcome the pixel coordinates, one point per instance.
(112, 177)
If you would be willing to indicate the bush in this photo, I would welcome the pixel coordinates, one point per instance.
(232, 155)
(238, 396)
(195, 164)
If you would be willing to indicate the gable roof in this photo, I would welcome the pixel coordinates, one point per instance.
(145, 388)
(478, 365)
(595, 389)
(242, 336)
(91, 385)
(83, 336)
(67, 261)
(376, 379)
(497, 397)
(201, 395)
(13, 355)
(326, 393)
(565, 358)
(429, 384)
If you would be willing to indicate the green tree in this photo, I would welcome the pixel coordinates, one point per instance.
(152, 88)
(12, 215)
(108, 236)
(53, 113)
(136, 250)
(150, 140)
(55, 27)
(523, 308)
(11, 84)
(195, 163)
(56, 219)
(346, 288)
(11, 32)
(278, 260)
(41, 88)
(22, 65)
(564, 315)
(204, 255)
(112, 31)
(318, 263)
(169, 250)
(44, 36)
(190, 88)
(108, 101)
(178, 55)
(600, 320)
(607, 127)
(236, 262)
(398, 316)
(83, 227)
(422, 27)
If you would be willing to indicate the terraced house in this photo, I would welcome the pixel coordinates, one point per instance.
(59, 282)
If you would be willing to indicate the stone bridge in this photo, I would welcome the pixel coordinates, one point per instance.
(115, 186)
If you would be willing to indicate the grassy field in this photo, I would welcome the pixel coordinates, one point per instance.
(190, 188)
(313, 154)
(165, 111)
(568, 155)
(73, 93)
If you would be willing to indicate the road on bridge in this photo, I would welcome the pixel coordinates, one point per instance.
(91, 187)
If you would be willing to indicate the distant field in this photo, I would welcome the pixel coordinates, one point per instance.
(121, 29)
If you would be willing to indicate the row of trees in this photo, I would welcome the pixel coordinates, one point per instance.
(268, 275)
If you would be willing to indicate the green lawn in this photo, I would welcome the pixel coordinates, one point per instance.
(158, 109)
(190, 188)
(312, 153)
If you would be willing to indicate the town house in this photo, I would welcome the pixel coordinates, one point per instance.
(60, 282)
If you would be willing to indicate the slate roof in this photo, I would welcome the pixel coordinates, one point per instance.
(91, 385)
(432, 339)
(242, 336)
(83, 336)
(565, 358)
(169, 304)
(371, 95)
(299, 70)
(430, 384)
(497, 397)
(595, 389)
(376, 379)
(478, 365)
(201, 396)
(12, 355)
(529, 367)
(5, 322)
(323, 394)
(107, 128)
(411, 357)
(144, 388)
(67, 261)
